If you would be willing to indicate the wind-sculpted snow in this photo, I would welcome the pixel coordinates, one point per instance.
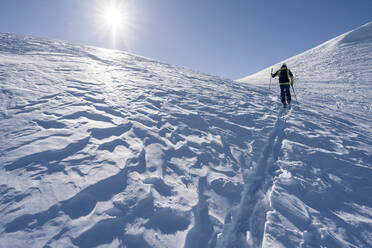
(100, 148)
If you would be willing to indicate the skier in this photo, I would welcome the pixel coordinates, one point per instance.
(285, 79)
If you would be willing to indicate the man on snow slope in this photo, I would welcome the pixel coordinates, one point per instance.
(285, 80)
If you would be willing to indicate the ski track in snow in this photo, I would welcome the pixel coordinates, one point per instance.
(249, 222)
(101, 148)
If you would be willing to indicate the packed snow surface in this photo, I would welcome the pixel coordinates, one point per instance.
(100, 148)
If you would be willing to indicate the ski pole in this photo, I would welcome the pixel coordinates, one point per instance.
(294, 93)
(271, 78)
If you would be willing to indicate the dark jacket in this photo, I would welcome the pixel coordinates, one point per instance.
(285, 75)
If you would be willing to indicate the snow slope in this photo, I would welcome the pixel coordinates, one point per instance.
(100, 148)
(322, 195)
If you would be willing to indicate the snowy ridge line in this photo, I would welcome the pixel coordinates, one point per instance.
(248, 224)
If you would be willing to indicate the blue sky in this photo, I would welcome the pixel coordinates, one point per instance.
(229, 38)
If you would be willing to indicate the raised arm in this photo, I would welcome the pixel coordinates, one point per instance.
(275, 74)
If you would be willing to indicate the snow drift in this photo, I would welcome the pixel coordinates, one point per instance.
(101, 148)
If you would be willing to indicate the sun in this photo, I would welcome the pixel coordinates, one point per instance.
(115, 20)
(113, 17)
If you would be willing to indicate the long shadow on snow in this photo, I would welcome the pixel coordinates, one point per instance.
(200, 235)
(79, 205)
(47, 157)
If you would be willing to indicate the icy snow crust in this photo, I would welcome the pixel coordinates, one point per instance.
(101, 148)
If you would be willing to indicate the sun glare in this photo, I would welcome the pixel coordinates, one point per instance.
(113, 17)
(116, 19)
